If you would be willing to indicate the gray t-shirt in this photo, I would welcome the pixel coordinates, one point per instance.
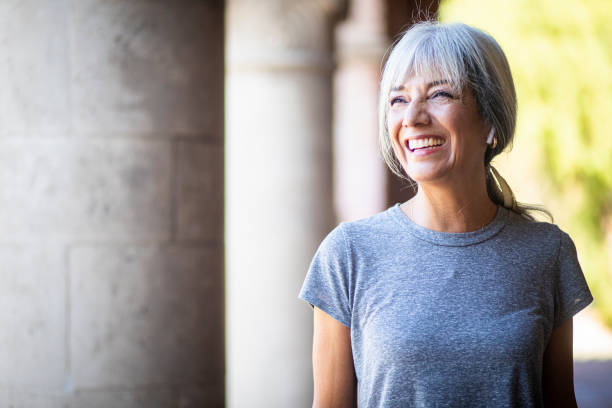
(447, 319)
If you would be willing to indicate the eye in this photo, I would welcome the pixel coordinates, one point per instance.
(397, 99)
(442, 94)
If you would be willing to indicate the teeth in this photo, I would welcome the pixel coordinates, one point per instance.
(425, 142)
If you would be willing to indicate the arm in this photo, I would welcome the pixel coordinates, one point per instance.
(558, 368)
(335, 383)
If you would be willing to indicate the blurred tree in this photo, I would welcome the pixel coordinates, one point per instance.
(560, 53)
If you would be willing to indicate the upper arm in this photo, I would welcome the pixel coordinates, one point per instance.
(335, 383)
(558, 368)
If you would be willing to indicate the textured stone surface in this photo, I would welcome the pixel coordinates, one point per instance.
(145, 66)
(33, 67)
(200, 191)
(359, 171)
(111, 161)
(146, 315)
(279, 208)
(212, 396)
(279, 190)
(32, 314)
(150, 398)
(281, 34)
(63, 189)
(19, 398)
(592, 383)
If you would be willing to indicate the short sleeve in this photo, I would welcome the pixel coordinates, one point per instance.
(326, 285)
(572, 292)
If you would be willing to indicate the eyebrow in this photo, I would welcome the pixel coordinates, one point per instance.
(429, 85)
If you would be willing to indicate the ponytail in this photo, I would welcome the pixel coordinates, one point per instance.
(501, 194)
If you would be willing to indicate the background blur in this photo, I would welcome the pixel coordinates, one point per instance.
(167, 169)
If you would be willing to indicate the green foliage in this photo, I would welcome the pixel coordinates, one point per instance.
(560, 53)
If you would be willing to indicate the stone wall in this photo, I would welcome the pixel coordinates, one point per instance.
(111, 203)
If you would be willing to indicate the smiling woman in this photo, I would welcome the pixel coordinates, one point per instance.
(456, 297)
(462, 60)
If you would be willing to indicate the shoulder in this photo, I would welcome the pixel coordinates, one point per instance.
(360, 234)
(536, 236)
(533, 231)
(377, 225)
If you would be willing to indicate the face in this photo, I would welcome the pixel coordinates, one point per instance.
(437, 135)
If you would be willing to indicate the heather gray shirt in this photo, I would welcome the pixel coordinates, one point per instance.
(447, 319)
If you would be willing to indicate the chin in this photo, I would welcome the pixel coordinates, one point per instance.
(427, 175)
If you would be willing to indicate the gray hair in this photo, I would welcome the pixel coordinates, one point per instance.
(468, 58)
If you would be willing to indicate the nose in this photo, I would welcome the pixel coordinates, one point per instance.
(415, 114)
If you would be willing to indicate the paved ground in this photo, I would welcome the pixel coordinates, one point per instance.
(592, 361)
(593, 383)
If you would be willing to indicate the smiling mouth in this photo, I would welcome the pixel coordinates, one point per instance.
(423, 143)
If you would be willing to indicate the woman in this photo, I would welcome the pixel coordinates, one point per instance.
(456, 297)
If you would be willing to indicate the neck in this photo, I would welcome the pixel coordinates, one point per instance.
(451, 207)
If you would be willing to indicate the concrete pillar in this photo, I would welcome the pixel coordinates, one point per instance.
(279, 191)
(359, 172)
(111, 203)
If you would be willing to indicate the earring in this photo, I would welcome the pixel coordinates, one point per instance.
(491, 139)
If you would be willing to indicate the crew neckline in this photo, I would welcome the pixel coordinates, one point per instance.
(451, 238)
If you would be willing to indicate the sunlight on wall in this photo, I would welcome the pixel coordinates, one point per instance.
(560, 53)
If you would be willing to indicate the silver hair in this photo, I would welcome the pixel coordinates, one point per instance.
(469, 59)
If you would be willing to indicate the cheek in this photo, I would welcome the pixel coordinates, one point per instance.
(399, 153)
(469, 146)
(394, 126)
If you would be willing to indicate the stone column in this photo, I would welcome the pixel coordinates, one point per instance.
(359, 171)
(279, 191)
(111, 203)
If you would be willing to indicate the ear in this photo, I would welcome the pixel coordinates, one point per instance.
(490, 136)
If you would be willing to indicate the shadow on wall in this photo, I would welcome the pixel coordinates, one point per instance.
(151, 68)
